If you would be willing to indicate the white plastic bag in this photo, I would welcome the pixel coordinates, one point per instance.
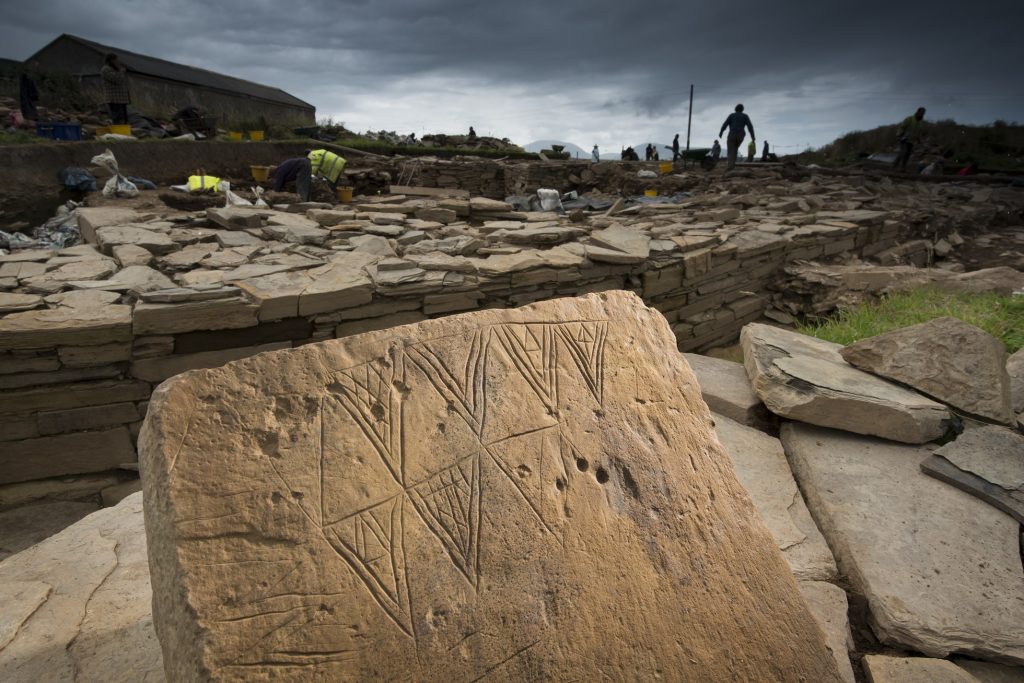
(118, 185)
(260, 202)
(550, 200)
(232, 198)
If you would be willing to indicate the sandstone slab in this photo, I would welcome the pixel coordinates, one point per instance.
(829, 606)
(987, 672)
(437, 502)
(806, 379)
(25, 526)
(986, 462)
(77, 605)
(761, 467)
(940, 569)
(11, 303)
(945, 358)
(159, 369)
(135, 235)
(66, 326)
(63, 454)
(726, 389)
(218, 314)
(887, 669)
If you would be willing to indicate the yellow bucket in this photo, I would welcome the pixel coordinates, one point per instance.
(259, 173)
(235, 135)
(256, 135)
(120, 129)
(650, 193)
(665, 166)
(345, 195)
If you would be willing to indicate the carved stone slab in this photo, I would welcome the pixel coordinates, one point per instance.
(523, 495)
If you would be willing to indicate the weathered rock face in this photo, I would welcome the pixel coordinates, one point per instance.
(940, 569)
(1015, 369)
(806, 379)
(76, 607)
(946, 358)
(524, 495)
(761, 468)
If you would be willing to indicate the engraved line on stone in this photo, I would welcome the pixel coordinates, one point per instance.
(510, 475)
(517, 341)
(449, 504)
(586, 348)
(390, 598)
(512, 656)
(442, 379)
(366, 420)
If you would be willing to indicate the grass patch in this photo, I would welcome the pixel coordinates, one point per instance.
(1000, 316)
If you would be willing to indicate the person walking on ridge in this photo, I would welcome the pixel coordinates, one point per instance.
(736, 122)
(595, 155)
(764, 151)
(908, 134)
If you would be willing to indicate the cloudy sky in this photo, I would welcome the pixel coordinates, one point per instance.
(585, 71)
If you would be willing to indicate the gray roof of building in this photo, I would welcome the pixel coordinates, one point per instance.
(161, 68)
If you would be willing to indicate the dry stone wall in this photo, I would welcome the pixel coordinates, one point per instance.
(86, 333)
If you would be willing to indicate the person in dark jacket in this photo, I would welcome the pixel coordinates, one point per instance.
(298, 170)
(736, 122)
(764, 151)
(28, 95)
(114, 75)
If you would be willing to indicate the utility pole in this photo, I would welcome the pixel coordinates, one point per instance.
(689, 119)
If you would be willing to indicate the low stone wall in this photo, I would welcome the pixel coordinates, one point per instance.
(76, 374)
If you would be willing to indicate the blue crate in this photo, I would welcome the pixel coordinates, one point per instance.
(59, 131)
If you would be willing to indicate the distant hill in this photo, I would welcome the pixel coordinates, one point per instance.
(995, 147)
(573, 150)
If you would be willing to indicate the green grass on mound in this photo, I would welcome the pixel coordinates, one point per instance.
(1000, 316)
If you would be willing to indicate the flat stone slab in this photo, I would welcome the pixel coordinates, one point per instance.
(761, 467)
(11, 303)
(1015, 369)
(76, 607)
(986, 462)
(66, 326)
(886, 669)
(438, 502)
(806, 379)
(940, 569)
(947, 359)
(829, 606)
(25, 526)
(726, 389)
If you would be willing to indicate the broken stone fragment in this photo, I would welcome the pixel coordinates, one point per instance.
(804, 378)
(945, 358)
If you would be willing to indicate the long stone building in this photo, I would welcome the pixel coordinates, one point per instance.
(160, 87)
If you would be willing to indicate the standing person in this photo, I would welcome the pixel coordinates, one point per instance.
(675, 148)
(716, 151)
(751, 150)
(908, 134)
(28, 95)
(647, 152)
(764, 151)
(595, 155)
(114, 75)
(736, 122)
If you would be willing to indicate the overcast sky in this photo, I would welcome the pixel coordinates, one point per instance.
(584, 71)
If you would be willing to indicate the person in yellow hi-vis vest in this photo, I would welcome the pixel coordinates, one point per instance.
(327, 165)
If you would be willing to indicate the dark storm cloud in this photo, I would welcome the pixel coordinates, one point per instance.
(841, 61)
